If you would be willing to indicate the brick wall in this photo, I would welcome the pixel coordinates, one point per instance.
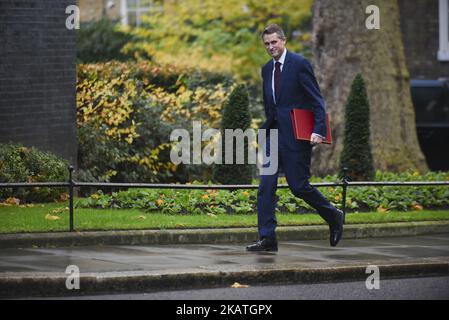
(420, 33)
(38, 76)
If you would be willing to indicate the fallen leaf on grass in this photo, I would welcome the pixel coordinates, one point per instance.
(59, 210)
(382, 210)
(239, 286)
(12, 200)
(64, 196)
(50, 217)
(29, 205)
(417, 207)
(141, 217)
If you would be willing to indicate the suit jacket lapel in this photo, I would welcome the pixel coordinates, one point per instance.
(268, 81)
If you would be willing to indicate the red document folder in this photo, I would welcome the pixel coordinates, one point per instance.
(303, 120)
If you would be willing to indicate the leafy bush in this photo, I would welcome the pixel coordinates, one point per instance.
(126, 112)
(359, 199)
(174, 201)
(101, 41)
(23, 164)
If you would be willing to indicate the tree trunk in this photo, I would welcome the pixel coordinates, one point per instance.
(342, 47)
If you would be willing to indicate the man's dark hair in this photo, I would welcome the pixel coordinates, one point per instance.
(274, 28)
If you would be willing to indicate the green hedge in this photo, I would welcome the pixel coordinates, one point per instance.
(23, 164)
(359, 199)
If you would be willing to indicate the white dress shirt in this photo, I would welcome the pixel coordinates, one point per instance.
(281, 60)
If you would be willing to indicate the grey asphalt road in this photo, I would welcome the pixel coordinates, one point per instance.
(433, 288)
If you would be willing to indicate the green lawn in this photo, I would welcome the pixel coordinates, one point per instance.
(21, 219)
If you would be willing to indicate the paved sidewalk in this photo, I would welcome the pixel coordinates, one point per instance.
(215, 235)
(127, 268)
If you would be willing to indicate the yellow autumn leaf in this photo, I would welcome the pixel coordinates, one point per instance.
(205, 196)
(59, 210)
(417, 207)
(13, 201)
(64, 196)
(306, 37)
(245, 193)
(382, 209)
(181, 89)
(129, 140)
(50, 217)
(159, 202)
(239, 286)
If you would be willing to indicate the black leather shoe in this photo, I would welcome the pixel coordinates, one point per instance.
(336, 229)
(263, 245)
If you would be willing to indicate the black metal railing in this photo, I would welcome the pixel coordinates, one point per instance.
(72, 184)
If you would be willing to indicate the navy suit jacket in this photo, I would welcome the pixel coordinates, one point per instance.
(299, 89)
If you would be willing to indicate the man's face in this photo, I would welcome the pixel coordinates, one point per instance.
(275, 46)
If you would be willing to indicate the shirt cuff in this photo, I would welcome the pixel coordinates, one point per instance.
(316, 134)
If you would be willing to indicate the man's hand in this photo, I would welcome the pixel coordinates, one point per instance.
(315, 139)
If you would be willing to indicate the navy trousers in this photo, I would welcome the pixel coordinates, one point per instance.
(296, 166)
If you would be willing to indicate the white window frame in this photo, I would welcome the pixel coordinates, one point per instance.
(443, 8)
(124, 11)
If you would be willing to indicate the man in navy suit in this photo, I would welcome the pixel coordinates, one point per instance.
(289, 82)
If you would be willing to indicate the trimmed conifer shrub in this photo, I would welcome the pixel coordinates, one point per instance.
(356, 155)
(236, 115)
